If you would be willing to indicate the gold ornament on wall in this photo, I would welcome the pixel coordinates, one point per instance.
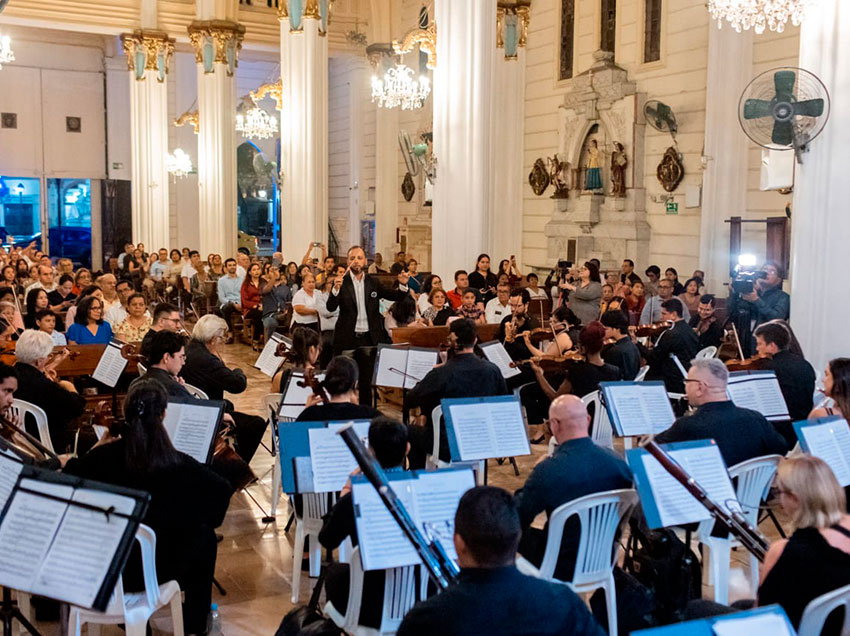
(538, 178)
(671, 170)
(275, 91)
(189, 117)
(425, 38)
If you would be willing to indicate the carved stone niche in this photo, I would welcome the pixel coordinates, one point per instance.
(602, 105)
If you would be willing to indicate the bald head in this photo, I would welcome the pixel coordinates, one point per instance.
(568, 418)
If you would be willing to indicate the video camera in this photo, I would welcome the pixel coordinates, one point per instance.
(746, 275)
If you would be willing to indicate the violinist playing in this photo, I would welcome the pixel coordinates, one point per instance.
(623, 353)
(705, 323)
(39, 385)
(580, 377)
(340, 387)
(560, 327)
(304, 354)
(513, 325)
(679, 340)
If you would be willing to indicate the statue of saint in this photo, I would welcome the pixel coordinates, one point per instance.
(557, 171)
(619, 161)
(593, 179)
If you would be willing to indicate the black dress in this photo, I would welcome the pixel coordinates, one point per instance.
(807, 568)
(585, 377)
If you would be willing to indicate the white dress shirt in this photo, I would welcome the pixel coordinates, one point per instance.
(495, 311)
(362, 324)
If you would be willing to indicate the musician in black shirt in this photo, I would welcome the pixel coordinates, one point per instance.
(705, 323)
(517, 322)
(340, 384)
(623, 354)
(679, 340)
(463, 375)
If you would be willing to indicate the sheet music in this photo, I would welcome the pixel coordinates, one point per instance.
(83, 549)
(382, 543)
(639, 409)
(191, 428)
(437, 495)
(831, 442)
(675, 504)
(269, 362)
(759, 392)
(111, 364)
(10, 469)
(332, 461)
(419, 364)
(295, 397)
(27, 531)
(489, 429)
(391, 358)
(496, 353)
(773, 624)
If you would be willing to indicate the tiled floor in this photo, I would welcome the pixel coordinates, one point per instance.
(255, 558)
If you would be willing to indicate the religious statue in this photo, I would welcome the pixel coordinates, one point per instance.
(671, 170)
(619, 161)
(593, 179)
(557, 170)
(538, 178)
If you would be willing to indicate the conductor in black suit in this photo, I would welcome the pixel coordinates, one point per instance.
(360, 326)
(679, 340)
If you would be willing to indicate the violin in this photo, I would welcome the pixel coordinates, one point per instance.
(131, 351)
(651, 330)
(55, 358)
(753, 363)
(550, 364)
(311, 381)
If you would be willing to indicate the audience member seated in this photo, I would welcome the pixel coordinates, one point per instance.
(672, 275)
(535, 292)
(7, 320)
(577, 468)
(37, 384)
(61, 298)
(137, 321)
(205, 369)
(463, 375)
(795, 375)
(491, 596)
(431, 283)
(623, 354)
(653, 310)
(117, 313)
(46, 322)
(188, 500)
(402, 313)
(470, 308)
(499, 307)
(277, 297)
(36, 301)
(836, 386)
(705, 323)
(340, 384)
(439, 310)
(691, 297)
(388, 444)
(741, 434)
(91, 290)
(252, 301)
(581, 377)
(89, 326)
(166, 317)
(679, 340)
(304, 311)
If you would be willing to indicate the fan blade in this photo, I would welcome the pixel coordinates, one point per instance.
(783, 81)
(809, 108)
(783, 133)
(757, 108)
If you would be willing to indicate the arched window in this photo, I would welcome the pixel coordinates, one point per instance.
(652, 31)
(568, 15)
(609, 25)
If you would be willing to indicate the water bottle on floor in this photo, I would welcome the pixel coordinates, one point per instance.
(214, 621)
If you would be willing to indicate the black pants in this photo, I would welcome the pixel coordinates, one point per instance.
(255, 317)
(249, 433)
(228, 310)
(194, 570)
(372, 605)
(364, 354)
(327, 348)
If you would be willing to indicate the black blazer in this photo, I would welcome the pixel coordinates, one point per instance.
(61, 406)
(681, 341)
(347, 303)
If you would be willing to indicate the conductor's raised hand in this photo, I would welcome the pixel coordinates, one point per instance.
(338, 281)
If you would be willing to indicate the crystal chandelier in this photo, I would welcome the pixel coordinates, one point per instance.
(179, 164)
(758, 14)
(398, 88)
(256, 123)
(6, 53)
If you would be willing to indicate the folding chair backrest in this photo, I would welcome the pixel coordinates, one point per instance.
(600, 427)
(708, 352)
(819, 609)
(196, 392)
(21, 407)
(600, 515)
(755, 477)
(641, 375)
(315, 505)
(436, 418)
(142, 368)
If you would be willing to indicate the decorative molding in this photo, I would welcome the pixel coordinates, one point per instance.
(274, 90)
(189, 117)
(306, 10)
(217, 42)
(148, 50)
(425, 38)
(512, 18)
(500, 25)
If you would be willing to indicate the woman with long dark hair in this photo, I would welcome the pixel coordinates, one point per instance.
(188, 500)
(252, 302)
(483, 279)
(586, 293)
(89, 326)
(304, 354)
(836, 386)
(340, 384)
(36, 300)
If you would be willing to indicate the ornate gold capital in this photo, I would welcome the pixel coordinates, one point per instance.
(147, 51)
(523, 11)
(500, 23)
(425, 38)
(306, 10)
(275, 91)
(216, 42)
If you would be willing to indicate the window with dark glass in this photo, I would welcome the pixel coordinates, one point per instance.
(652, 31)
(609, 25)
(567, 27)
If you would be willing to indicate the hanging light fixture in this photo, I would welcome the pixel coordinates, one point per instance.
(178, 163)
(256, 123)
(6, 53)
(398, 88)
(758, 14)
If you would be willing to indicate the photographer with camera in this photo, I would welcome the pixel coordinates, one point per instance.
(754, 299)
(563, 272)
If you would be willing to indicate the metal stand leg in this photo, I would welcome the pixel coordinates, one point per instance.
(218, 586)
(9, 612)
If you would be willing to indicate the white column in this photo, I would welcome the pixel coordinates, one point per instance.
(356, 108)
(304, 125)
(724, 191)
(216, 45)
(148, 54)
(461, 215)
(821, 225)
(508, 112)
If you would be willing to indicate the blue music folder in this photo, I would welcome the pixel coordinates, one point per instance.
(829, 439)
(770, 620)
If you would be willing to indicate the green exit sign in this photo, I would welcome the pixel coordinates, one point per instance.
(672, 207)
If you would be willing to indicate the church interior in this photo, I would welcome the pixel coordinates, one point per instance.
(229, 227)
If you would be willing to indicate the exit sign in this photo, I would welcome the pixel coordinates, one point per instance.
(672, 207)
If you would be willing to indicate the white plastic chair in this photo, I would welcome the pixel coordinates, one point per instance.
(601, 515)
(755, 477)
(819, 609)
(708, 352)
(142, 368)
(196, 392)
(433, 460)
(600, 427)
(20, 408)
(641, 374)
(401, 592)
(307, 528)
(134, 610)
